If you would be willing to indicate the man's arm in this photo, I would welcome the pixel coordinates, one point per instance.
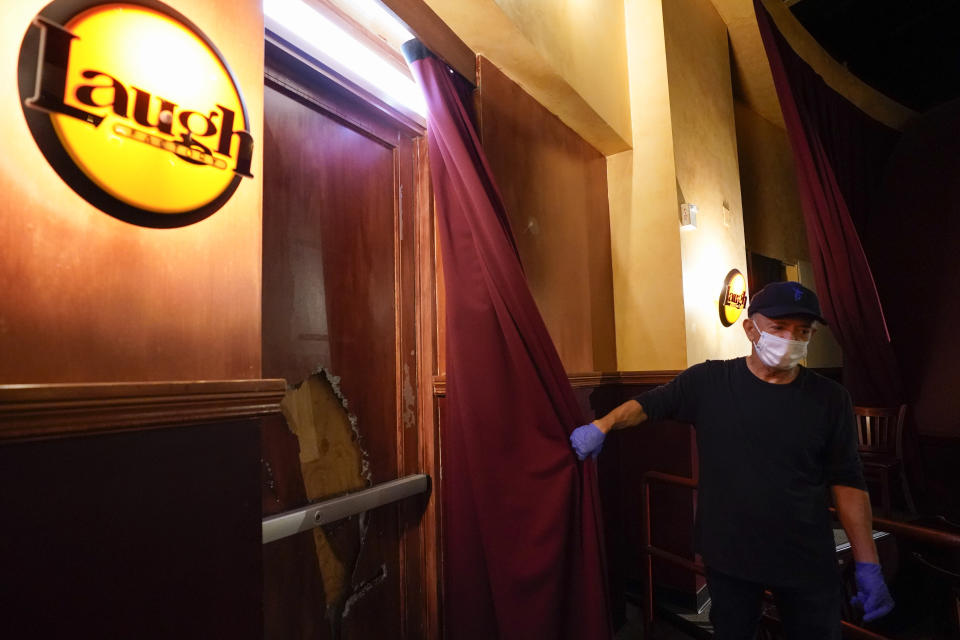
(856, 516)
(664, 401)
(853, 508)
(629, 414)
(588, 439)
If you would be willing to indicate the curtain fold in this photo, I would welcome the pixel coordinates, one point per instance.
(839, 154)
(523, 555)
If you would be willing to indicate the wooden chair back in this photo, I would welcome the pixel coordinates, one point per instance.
(880, 429)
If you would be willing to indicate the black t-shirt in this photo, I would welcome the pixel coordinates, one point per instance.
(768, 455)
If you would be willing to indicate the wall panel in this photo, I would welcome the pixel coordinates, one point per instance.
(554, 185)
(87, 297)
(132, 511)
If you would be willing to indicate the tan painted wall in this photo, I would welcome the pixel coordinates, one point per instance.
(554, 187)
(570, 56)
(90, 298)
(645, 234)
(684, 137)
(605, 61)
(586, 43)
(705, 151)
(773, 220)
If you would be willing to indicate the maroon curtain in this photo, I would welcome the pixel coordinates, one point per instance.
(839, 154)
(522, 530)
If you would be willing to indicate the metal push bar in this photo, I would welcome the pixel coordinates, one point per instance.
(293, 522)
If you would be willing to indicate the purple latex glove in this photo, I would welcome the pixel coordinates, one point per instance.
(872, 594)
(587, 440)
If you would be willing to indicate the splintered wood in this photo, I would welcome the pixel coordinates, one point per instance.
(332, 462)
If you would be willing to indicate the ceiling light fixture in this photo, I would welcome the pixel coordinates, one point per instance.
(317, 35)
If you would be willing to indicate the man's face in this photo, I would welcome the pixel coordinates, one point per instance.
(789, 327)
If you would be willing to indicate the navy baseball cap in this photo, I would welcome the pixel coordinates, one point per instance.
(779, 299)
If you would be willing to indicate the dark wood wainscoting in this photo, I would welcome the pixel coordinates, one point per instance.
(132, 510)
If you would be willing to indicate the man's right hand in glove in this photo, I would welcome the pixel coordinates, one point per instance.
(587, 440)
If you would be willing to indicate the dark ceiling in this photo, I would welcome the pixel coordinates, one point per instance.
(906, 49)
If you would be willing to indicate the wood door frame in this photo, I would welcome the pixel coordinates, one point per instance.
(295, 73)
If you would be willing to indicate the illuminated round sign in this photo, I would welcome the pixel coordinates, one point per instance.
(733, 298)
(135, 109)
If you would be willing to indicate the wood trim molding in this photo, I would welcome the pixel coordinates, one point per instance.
(596, 379)
(40, 411)
(593, 379)
(427, 272)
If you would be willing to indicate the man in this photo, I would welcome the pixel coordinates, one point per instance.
(773, 437)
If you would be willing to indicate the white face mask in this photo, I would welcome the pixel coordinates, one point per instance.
(780, 353)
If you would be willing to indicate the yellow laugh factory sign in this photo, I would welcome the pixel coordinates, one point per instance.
(135, 109)
(733, 299)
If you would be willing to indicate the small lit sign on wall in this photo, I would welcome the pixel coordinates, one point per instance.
(135, 109)
(733, 298)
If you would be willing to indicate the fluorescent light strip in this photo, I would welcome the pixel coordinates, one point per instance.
(337, 45)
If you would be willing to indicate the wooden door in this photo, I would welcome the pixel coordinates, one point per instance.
(339, 249)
